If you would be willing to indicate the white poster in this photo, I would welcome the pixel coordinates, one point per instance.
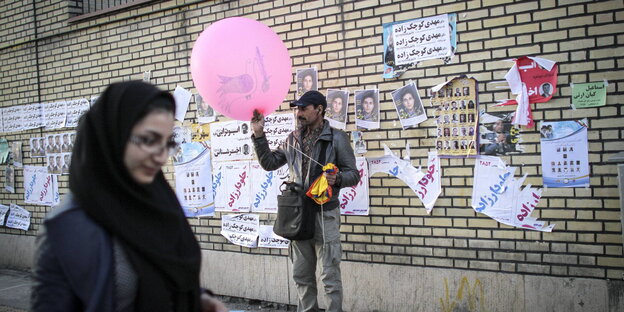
(182, 99)
(40, 188)
(33, 116)
(268, 239)
(265, 187)
(236, 187)
(429, 187)
(12, 118)
(422, 39)
(397, 167)
(354, 200)
(218, 185)
(205, 112)
(241, 229)
(367, 109)
(54, 115)
(3, 212)
(409, 106)
(231, 140)
(75, 109)
(497, 194)
(565, 155)
(337, 108)
(19, 218)
(277, 127)
(193, 176)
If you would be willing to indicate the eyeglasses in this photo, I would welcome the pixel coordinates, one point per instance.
(152, 145)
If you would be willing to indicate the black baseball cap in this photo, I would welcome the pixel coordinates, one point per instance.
(310, 98)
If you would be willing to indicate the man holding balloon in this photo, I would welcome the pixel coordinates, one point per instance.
(306, 151)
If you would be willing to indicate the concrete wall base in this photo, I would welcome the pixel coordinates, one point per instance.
(16, 251)
(383, 287)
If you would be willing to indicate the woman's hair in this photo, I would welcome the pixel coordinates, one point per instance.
(159, 104)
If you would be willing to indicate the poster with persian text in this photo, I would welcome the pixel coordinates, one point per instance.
(499, 195)
(231, 140)
(19, 218)
(75, 109)
(32, 116)
(354, 200)
(277, 127)
(265, 186)
(40, 187)
(241, 229)
(193, 177)
(12, 118)
(54, 115)
(430, 186)
(234, 189)
(3, 212)
(268, 239)
(565, 155)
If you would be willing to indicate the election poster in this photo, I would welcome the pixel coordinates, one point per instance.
(231, 140)
(268, 239)
(233, 186)
(498, 135)
(409, 106)
(430, 186)
(565, 155)
(193, 177)
(265, 186)
(592, 94)
(241, 229)
(354, 200)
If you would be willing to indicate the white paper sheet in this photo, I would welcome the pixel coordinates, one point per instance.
(75, 109)
(241, 229)
(265, 187)
(54, 115)
(422, 39)
(236, 187)
(3, 212)
(268, 239)
(231, 140)
(182, 98)
(40, 187)
(19, 218)
(354, 200)
(395, 166)
(12, 118)
(277, 127)
(33, 116)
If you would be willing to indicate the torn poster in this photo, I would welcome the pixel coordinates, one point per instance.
(354, 199)
(233, 192)
(456, 111)
(534, 80)
(359, 146)
(591, 94)
(367, 109)
(497, 194)
(241, 229)
(408, 105)
(16, 153)
(395, 166)
(3, 212)
(40, 187)
(498, 136)
(430, 186)
(408, 42)
(19, 218)
(182, 99)
(565, 158)
(231, 140)
(265, 186)
(193, 179)
(268, 239)
(205, 112)
(337, 108)
(75, 109)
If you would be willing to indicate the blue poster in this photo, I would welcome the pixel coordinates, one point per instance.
(565, 157)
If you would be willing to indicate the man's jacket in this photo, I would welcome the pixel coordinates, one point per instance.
(338, 151)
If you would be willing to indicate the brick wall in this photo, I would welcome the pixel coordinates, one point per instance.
(342, 39)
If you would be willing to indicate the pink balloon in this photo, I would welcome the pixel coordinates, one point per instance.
(239, 65)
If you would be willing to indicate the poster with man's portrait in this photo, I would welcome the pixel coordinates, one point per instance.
(367, 109)
(9, 179)
(307, 80)
(205, 112)
(16, 152)
(498, 136)
(409, 105)
(37, 147)
(337, 108)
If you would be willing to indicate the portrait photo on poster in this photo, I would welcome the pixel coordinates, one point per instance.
(498, 136)
(307, 80)
(337, 108)
(367, 108)
(205, 112)
(409, 105)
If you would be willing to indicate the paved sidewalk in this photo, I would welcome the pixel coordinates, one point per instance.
(15, 296)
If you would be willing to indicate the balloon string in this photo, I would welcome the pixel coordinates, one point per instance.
(303, 154)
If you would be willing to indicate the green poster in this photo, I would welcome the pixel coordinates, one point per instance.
(590, 94)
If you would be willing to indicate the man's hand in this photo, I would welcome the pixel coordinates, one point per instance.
(331, 178)
(257, 124)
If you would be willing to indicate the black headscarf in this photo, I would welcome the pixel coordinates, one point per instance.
(146, 219)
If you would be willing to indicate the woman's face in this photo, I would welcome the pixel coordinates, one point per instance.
(337, 105)
(155, 129)
(408, 101)
(307, 83)
(368, 105)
